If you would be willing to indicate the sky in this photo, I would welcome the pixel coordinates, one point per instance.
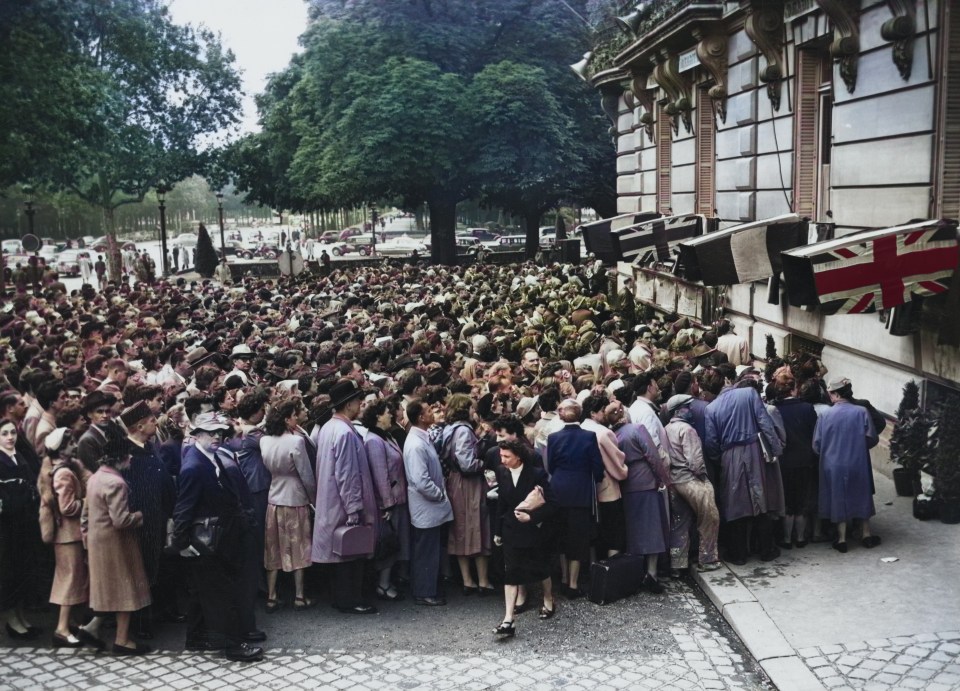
(261, 33)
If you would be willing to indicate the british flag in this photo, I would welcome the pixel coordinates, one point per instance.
(656, 240)
(597, 235)
(873, 269)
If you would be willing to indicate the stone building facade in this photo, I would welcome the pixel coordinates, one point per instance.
(846, 112)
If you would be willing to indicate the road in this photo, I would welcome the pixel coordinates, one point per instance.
(674, 641)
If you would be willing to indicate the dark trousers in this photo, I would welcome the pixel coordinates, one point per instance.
(249, 575)
(260, 508)
(428, 551)
(348, 583)
(215, 615)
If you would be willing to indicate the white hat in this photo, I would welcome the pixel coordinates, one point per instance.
(242, 350)
(525, 405)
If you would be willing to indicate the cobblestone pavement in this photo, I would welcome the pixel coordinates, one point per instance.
(924, 661)
(673, 642)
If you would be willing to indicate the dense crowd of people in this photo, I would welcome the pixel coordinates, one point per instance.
(527, 420)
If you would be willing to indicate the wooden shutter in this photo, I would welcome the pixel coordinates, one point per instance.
(664, 162)
(949, 196)
(706, 154)
(805, 139)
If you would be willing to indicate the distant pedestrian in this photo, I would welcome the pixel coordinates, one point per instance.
(86, 267)
(325, 262)
(101, 270)
(176, 258)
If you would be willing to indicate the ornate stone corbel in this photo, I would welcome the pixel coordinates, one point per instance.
(845, 49)
(677, 103)
(643, 97)
(764, 26)
(610, 103)
(712, 51)
(901, 31)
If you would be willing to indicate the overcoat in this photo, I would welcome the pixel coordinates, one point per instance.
(843, 437)
(118, 582)
(344, 486)
(466, 487)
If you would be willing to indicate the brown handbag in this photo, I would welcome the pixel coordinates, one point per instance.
(353, 541)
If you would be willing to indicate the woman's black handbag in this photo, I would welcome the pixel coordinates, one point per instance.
(388, 542)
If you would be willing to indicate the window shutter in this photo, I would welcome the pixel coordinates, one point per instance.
(664, 162)
(706, 154)
(949, 196)
(805, 140)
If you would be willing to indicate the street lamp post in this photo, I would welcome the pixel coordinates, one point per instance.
(30, 211)
(223, 242)
(162, 190)
(373, 225)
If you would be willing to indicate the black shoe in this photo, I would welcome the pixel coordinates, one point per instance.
(840, 547)
(30, 634)
(652, 585)
(202, 645)
(137, 649)
(172, 616)
(244, 653)
(800, 544)
(430, 601)
(505, 630)
(359, 609)
(571, 593)
(88, 638)
(785, 545)
(470, 590)
(521, 608)
(486, 592)
(254, 637)
(59, 641)
(771, 555)
(870, 541)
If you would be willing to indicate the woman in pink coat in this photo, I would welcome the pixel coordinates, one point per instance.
(118, 581)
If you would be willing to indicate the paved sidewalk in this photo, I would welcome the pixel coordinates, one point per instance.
(816, 619)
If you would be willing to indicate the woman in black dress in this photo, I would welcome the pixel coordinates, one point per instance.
(522, 528)
(19, 533)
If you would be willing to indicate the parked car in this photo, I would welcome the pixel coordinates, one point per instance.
(329, 237)
(10, 262)
(467, 244)
(10, 246)
(100, 245)
(261, 251)
(68, 262)
(185, 240)
(402, 247)
(350, 232)
(481, 234)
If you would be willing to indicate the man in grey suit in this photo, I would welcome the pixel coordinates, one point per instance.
(430, 509)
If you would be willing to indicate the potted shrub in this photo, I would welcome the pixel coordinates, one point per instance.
(909, 443)
(946, 463)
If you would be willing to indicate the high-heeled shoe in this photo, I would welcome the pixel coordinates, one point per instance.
(505, 630)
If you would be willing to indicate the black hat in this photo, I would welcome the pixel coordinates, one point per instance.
(344, 391)
(135, 413)
(96, 399)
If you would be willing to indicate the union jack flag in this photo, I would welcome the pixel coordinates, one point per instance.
(656, 239)
(873, 269)
(597, 235)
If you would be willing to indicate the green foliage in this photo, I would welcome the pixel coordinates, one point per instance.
(910, 400)
(141, 98)
(207, 259)
(771, 353)
(403, 101)
(910, 445)
(946, 460)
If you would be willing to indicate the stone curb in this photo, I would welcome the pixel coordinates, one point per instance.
(757, 630)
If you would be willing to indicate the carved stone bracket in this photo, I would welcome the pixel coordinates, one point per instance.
(901, 31)
(845, 49)
(610, 103)
(644, 97)
(712, 51)
(676, 90)
(764, 26)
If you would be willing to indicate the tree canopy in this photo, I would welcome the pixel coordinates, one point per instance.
(433, 101)
(143, 100)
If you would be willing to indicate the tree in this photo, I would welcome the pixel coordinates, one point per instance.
(206, 256)
(521, 156)
(149, 99)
